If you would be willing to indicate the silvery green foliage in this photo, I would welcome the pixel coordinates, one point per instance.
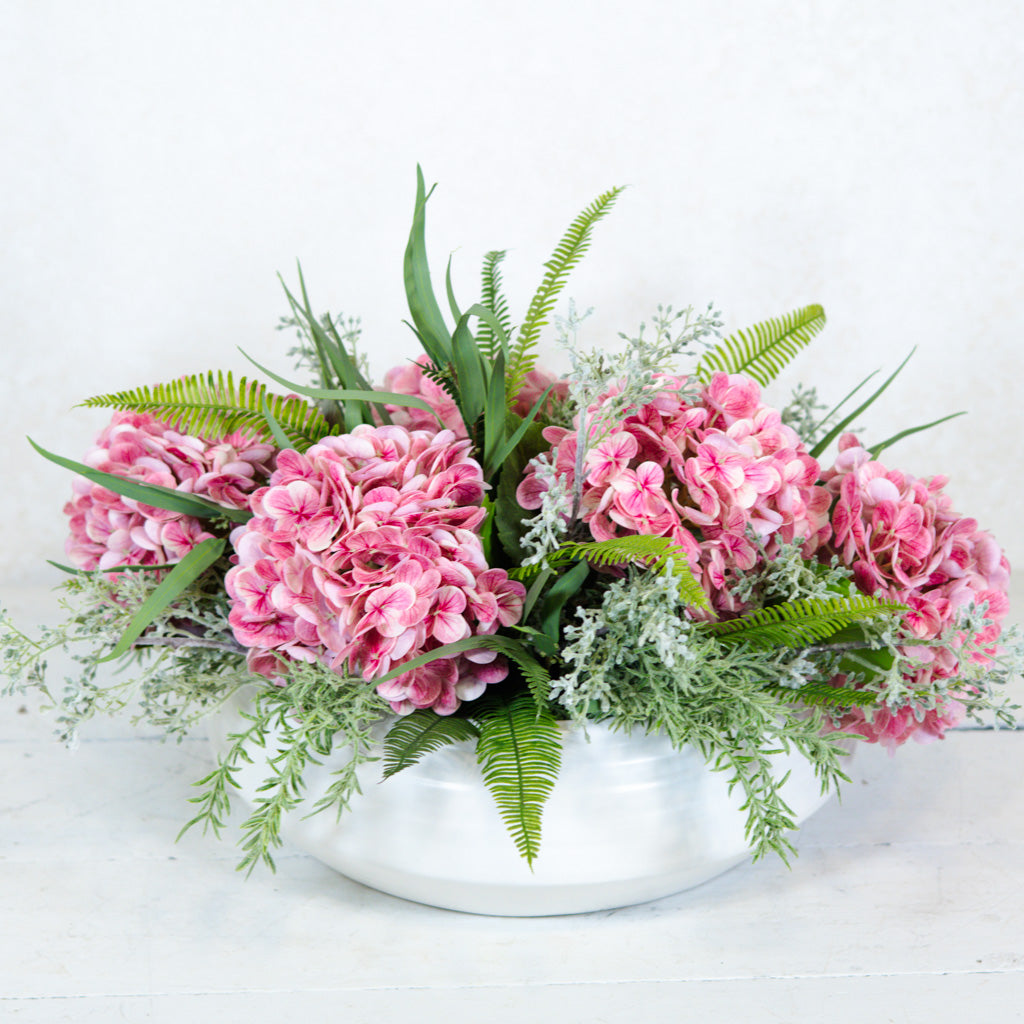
(788, 576)
(548, 527)
(637, 660)
(188, 664)
(805, 413)
(640, 616)
(981, 674)
(632, 372)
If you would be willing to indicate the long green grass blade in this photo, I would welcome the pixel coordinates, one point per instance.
(469, 373)
(494, 418)
(184, 573)
(846, 421)
(280, 437)
(508, 447)
(423, 307)
(391, 397)
(149, 494)
(877, 449)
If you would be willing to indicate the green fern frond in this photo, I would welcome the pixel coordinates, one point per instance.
(569, 252)
(763, 350)
(420, 733)
(519, 752)
(494, 300)
(800, 623)
(213, 405)
(825, 695)
(444, 378)
(648, 551)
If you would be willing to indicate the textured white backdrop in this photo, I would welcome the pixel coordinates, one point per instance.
(161, 162)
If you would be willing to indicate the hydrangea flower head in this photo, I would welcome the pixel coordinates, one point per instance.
(711, 475)
(905, 542)
(364, 553)
(108, 530)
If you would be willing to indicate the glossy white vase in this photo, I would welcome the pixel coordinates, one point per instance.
(630, 820)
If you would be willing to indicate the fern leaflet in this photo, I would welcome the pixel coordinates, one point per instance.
(420, 733)
(800, 623)
(213, 405)
(651, 552)
(823, 694)
(494, 300)
(569, 252)
(519, 752)
(763, 350)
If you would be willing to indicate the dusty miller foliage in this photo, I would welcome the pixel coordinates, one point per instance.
(186, 666)
(982, 671)
(634, 373)
(638, 661)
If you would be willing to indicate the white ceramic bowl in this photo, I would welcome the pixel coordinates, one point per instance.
(630, 820)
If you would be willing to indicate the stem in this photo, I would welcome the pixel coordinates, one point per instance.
(181, 641)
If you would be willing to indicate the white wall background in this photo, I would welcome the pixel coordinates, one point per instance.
(159, 162)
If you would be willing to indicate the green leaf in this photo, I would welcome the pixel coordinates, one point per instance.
(72, 571)
(494, 417)
(488, 319)
(426, 314)
(799, 623)
(763, 350)
(391, 397)
(469, 373)
(519, 752)
(452, 303)
(334, 359)
(508, 513)
(212, 405)
(189, 569)
(506, 449)
(149, 494)
(877, 449)
(280, 437)
(569, 252)
(842, 401)
(421, 733)
(846, 421)
(533, 671)
(555, 597)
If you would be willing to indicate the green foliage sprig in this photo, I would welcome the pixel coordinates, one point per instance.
(800, 623)
(519, 751)
(569, 251)
(763, 350)
(214, 405)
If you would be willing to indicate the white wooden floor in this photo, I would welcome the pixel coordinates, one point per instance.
(905, 904)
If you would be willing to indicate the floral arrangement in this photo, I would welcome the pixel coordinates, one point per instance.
(477, 550)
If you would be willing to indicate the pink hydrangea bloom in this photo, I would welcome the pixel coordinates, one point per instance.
(363, 553)
(108, 530)
(904, 542)
(410, 379)
(702, 474)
